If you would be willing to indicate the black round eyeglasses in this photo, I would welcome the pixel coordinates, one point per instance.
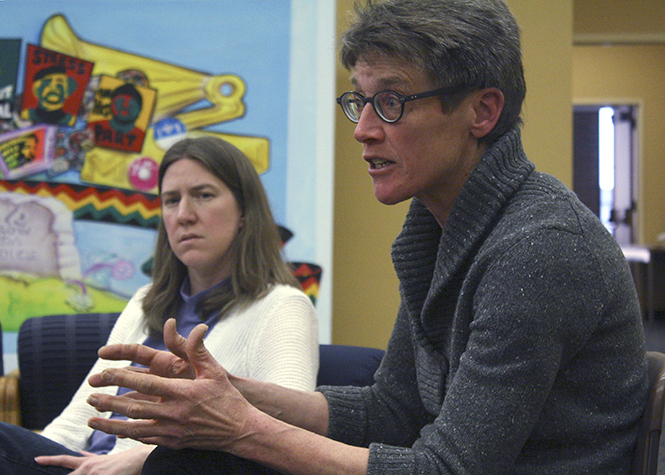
(388, 105)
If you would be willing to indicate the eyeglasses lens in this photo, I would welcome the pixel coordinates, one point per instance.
(388, 106)
(352, 104)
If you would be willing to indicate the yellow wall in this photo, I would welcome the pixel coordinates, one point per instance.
(365, 289)
(365, 293)
(619, 18)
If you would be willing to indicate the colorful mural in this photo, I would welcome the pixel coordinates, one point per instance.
(86, 118)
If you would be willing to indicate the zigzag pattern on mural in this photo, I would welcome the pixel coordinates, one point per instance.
(309, 276)
(95, 203)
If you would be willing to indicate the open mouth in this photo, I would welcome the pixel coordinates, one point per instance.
(378, 163)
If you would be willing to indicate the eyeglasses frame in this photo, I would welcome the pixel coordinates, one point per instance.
(401, 97)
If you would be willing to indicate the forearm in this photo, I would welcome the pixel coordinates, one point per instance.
(305, 409)
(297, 451)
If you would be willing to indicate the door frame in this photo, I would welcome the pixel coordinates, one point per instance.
(639, 105)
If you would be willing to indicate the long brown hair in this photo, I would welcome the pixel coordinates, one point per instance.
(256, 251)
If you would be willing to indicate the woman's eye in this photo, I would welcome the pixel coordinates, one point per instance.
(392, 102)
(170, 199)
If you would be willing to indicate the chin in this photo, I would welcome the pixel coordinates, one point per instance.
(192, 261)
(390, 199)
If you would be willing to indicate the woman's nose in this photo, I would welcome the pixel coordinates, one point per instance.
(369, 126)
(186, 211)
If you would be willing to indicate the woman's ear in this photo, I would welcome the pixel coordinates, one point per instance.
(488, 104)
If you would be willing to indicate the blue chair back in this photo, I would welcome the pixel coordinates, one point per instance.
(55, 353)
(342, 365)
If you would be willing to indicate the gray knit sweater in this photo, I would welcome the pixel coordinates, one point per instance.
(518, 346)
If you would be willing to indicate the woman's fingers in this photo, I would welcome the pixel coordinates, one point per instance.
(135, 352)
(137, 430)
(145, 383)
(170, 364)
(174, 341)
(199, 356)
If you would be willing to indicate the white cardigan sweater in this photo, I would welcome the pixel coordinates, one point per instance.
(274, 339)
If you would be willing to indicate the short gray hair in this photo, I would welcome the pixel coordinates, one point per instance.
(472, 44)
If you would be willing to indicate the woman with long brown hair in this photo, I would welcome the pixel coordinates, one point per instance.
(217, 261)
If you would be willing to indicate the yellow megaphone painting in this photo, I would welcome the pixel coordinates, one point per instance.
(175, 113)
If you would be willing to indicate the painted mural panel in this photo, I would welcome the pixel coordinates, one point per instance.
(91, 96)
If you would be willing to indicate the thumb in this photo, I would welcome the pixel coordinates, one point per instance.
(198, 355)
(175, 342)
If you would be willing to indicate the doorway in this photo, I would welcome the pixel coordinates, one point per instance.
(605, 166)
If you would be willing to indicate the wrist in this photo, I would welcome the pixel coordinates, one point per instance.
(254, 436)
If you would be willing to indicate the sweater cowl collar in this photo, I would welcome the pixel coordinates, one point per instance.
(425, 256)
